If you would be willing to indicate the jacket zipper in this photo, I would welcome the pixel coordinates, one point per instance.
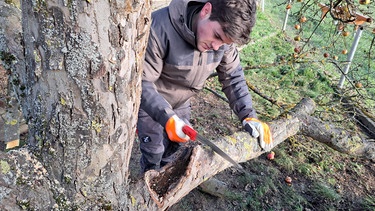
(200, 59)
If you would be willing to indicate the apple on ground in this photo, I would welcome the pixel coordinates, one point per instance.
(288, 180)
(271, 155)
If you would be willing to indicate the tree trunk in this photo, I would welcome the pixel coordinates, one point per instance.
(77, 71)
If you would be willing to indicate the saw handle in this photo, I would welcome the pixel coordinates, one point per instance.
(189, 131)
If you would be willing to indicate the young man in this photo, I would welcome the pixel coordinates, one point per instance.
(188, 40)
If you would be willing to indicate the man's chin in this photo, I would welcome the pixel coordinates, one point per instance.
(202, 49)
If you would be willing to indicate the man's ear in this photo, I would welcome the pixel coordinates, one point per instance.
(206, 10)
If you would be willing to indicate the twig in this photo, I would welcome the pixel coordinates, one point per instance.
(270, 99)
(217, 94)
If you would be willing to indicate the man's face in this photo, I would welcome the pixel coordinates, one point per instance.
(209, 34)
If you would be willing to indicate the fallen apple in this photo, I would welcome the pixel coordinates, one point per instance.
(344, 51)
(297, 38)
(271, 155)
(326, 55)
(297, 26)
(345, 33)
(288, 6)
(288, 180)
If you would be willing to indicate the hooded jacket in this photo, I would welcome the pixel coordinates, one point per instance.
(174, 70)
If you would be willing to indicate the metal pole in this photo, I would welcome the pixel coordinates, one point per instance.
(262, 5)
(286, 17)
(350, 56)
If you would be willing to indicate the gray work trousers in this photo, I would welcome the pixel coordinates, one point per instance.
(157, 150)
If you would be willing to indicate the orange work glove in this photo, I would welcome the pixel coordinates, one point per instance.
(173, 127)
(259, 129)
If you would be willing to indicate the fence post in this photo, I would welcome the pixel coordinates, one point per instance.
(286, 17)
(351, 56)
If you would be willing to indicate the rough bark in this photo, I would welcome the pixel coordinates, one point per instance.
(76, 67)
(344, 141)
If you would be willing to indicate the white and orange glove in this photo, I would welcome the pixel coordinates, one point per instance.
(261, 130)
(173, 127)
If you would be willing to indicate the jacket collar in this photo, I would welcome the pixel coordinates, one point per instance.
(178, 16)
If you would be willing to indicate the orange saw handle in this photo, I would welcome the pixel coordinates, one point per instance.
(189, 131)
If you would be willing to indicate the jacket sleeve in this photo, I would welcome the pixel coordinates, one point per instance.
(152, 102)
(232, 78)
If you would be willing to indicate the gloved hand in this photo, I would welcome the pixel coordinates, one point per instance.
(173, 127)
(259, 129)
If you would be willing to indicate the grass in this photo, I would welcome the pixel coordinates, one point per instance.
(368, 203)
(288, 80)
(266, 186)
(315, 187)
(310, 74)
(314, 168)
(325, 192)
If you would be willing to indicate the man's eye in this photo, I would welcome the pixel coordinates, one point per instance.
(217, 36)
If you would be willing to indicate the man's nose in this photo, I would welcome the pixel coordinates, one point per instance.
(216, 45)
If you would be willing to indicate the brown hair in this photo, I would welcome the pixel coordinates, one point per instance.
(237, 17)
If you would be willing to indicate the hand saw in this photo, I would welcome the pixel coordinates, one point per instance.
(193, 134)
